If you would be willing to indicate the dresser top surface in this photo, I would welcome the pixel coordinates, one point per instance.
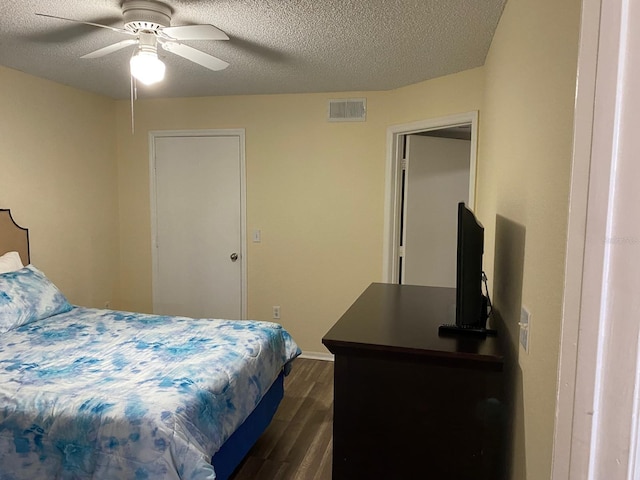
(404, 319)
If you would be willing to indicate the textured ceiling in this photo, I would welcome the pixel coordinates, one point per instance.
(275, 46)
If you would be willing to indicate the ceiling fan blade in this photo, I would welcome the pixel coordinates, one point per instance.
(110, 49)
(196, 56)
(195, 32)
(114, 29)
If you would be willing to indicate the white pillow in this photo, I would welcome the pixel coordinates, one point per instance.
(10, 262)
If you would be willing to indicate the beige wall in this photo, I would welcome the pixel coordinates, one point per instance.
(315, 189)
(525, 147)
(58, 177)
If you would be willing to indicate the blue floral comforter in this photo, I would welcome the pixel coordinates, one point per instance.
(110, 395)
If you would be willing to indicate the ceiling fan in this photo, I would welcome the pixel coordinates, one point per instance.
(148, 23)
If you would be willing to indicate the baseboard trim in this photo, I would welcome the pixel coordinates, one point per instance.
(327, 357)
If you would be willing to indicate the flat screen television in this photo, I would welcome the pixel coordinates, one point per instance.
(471, 304)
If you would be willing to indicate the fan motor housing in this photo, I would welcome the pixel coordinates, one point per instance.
(145, 15)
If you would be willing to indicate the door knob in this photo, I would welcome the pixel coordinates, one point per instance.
(233, 257)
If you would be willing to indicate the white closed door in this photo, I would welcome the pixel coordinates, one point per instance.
(437, 178)
(198, 226)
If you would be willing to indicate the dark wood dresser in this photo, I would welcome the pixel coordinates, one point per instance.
(410, 404)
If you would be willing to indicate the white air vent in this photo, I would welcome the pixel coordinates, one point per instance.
(348, 110)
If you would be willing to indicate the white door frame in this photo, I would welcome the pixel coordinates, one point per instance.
(237, 132)
(597, 422)
(393, 192)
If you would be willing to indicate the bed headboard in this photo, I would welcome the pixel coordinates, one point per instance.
(13, 237)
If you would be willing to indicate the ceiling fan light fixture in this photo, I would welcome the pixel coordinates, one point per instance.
(146, 67)
(147, 23)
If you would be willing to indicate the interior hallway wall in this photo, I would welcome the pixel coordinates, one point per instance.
(524, 168)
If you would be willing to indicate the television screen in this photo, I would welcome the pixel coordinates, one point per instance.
(471, 304)
(469, 298)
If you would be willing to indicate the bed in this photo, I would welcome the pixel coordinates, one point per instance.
(102, 394)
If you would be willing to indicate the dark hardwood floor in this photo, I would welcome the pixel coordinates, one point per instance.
(298, 443)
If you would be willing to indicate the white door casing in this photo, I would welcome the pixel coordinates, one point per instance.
(597, 423)
(437, 179)
(393, 188)
(198, 223)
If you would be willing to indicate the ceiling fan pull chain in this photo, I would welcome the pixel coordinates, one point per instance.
(134, 94)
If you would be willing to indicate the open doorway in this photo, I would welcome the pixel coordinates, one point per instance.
(431, 165)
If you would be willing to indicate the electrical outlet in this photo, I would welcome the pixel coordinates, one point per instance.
(276, 312)
(525, 328)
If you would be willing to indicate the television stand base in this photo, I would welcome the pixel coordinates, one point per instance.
(453, 330)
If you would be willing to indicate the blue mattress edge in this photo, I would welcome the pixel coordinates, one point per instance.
(233, 451)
